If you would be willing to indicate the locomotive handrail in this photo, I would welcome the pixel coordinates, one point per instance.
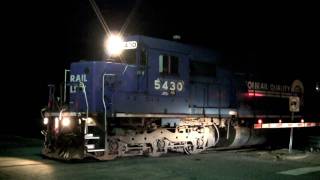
(85, 96)
(105, 114)
(65, 85)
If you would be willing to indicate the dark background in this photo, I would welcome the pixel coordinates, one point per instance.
(275, 41)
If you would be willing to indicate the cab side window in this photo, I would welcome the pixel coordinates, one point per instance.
(168, 65)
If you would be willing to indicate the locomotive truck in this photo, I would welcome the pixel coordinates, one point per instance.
(154, 96)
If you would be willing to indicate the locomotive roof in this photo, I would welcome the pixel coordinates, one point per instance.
(173, 46)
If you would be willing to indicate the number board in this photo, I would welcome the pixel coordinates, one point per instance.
(168, 86)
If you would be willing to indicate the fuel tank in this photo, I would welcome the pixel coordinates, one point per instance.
(242, 136)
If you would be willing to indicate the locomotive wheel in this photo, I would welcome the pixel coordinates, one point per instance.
(114, 146)
(192, 148)
(158, 148)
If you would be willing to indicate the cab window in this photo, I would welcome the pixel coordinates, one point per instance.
(168, 65)
(127, 56)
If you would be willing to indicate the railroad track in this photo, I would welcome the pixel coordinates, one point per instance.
(233, 149)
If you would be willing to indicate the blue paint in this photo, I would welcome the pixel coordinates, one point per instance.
(133, 88)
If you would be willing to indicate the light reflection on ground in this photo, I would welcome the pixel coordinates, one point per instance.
(24, 168)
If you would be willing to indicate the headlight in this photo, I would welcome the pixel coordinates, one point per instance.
(65, 121)
(114, 45)
(232, 113)
(45, 120)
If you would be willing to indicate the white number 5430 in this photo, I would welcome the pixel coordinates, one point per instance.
(168, 85)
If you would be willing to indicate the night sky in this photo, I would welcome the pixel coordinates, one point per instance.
(276, 40)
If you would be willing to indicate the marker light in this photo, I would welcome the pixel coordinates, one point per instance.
(65, 121)
(114, 45)
(302, 120)
(45, 120)
(251, 94)
(232, 113)
(56, 123)
(280, 121)
(260, 121)
(89, 120)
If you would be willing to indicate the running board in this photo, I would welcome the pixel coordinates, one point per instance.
(90, 136)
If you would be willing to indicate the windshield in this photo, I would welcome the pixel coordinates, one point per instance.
(127, 56)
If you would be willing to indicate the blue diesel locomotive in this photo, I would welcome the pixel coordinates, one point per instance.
(158, 96)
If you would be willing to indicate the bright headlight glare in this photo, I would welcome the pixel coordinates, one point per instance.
(114, 45)
(65, 121)
(45, 120)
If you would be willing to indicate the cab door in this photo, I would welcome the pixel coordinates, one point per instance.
(142, 70)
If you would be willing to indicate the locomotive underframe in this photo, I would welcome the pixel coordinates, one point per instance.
(86, 137)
